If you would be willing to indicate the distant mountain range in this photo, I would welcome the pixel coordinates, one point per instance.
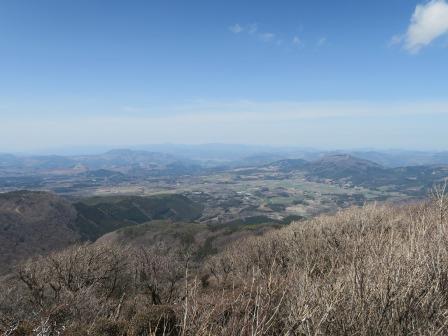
(402, 169)
(345, 168)
(205, 156)
(115, 159)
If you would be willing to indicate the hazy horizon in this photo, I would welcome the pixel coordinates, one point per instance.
(229, 147)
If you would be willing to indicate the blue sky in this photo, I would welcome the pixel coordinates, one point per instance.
(333, 74)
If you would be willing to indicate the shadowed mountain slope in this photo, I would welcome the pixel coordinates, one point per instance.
(33, 223)
(97, 216)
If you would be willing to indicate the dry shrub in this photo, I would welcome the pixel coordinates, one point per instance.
(158, 272)
(154, 320)
(375, 270)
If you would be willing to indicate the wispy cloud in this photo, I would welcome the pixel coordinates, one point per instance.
(253, 30)
(396, 40)
(132, 109)
(312, 110)
(321, 42)
(296, 41)
(207, 121)
(267, 37)
(285, 40)
(236, 28)
(429, 22)
(250, 28)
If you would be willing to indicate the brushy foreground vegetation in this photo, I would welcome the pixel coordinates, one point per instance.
(376, 270)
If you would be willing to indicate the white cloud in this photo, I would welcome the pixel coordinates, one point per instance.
(236, 28)
(428, 22)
